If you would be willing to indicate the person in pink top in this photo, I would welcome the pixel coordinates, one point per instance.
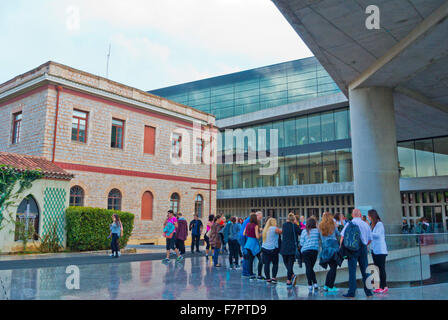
(207, 234)
(171, 238)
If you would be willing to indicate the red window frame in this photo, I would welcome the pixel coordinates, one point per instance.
(176, 146)
(117, 135)
(79, 119)
(16, 125)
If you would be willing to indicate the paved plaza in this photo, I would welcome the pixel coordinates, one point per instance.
(140, 276)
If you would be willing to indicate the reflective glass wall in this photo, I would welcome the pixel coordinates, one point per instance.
(253, 90)
(423, 158)
(312, 149)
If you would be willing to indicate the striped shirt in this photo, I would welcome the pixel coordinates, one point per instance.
(311, 241)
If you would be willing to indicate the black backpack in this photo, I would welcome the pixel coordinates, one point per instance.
(352, 237)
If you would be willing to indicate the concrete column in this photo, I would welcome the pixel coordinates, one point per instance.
(374, 151)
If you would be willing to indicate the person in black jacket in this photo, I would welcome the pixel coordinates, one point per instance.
(290, 234)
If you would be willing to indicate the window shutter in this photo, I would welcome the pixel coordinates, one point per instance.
(150, 140)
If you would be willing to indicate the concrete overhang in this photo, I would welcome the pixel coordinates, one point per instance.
(408, 53)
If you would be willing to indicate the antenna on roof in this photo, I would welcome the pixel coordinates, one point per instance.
(107, 65)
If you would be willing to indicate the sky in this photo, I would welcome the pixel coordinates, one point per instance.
(154, 43)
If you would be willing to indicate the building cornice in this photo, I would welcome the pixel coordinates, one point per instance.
(48, 78)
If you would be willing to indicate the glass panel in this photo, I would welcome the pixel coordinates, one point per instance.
(341, 124)
(329, 166)
(279, 176)
(281, 133)
(291, 177)
(406, 158)
(303, 172)
(314, 128)
(441, 156)
(117, 122)
(302, 130)
(315, 167)
(327, 126)
(246, 176)
(290, 132)
(80, 114)
(425, 158)
(344, 165)
(227, 176)
(257, 179)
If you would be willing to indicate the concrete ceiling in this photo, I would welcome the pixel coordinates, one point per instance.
(409, 53)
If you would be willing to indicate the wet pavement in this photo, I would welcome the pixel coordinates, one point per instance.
(193, 279)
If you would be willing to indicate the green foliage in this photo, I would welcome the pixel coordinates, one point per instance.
(50, 242)
(88, 228)
(9, 178)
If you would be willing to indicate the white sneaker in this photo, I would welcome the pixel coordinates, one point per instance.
(111, 255)
(119, 253)
(316, 287)
(310, 288)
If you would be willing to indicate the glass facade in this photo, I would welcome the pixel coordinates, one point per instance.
(314, 148)
(294, 132)
(253, 90)
(309, 168)
(423, 158)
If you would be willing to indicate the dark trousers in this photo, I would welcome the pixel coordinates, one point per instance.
(114, 244)
(309, 258)
(195, 242)
(380, 261)
(234, 248)
(268, 257)
(289, 260)
(354, 258)
(207, 242)
(180, 245)
(331, 274)
(223, 242)
(250, 262)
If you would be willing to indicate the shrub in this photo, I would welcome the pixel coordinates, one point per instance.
(88, 228)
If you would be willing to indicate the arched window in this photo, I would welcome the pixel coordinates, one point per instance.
(27, 219)
(198, 205)
(147, 204)
(175, 202)
(76, 196)
(114, 200)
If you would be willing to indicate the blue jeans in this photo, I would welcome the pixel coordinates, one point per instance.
(215, 256)
(358, 257)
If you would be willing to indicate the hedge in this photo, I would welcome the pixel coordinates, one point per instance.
(88, 228)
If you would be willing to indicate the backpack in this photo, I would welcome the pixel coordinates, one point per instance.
(352, 237)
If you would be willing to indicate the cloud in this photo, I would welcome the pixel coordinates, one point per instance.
(155, 43)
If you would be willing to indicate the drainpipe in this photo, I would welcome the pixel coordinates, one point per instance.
(58, 90)
(210, 175)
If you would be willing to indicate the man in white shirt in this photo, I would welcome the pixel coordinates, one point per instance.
(359, 256)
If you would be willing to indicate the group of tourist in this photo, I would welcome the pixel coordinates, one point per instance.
(297, 240)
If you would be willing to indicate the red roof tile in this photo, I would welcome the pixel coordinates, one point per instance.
(26, 162)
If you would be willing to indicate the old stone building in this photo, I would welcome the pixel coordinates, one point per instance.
(123, 145)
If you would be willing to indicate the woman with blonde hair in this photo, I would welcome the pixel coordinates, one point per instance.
(289, 246)
(270, 249)
(328, 233)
